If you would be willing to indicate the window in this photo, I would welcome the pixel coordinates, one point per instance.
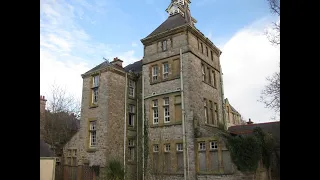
(95, 96)
(95, 81)
(209, 80)
(131, 88)
(216, 113)
(154, 73)
(202, 146)
(164, 44)
(155, 103)
(211, 55)
(156, 148)
(213, 145)
(166, 101)
(213, 79)
(74, 152)
(155, 112)
(166, 110)
(166, 114)
(203, 73)
(167, 148)
(131, 149)
(95, 86)
(179, 147)
(207, 51)
(205, 111)
(165, 71)
(93, 134)
(130, 142)
(211, 112)
(131, 115)
(71, 159)
(201, 45)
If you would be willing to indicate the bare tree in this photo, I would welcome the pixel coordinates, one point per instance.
(270, 96)
(61, 119)
(274, 34)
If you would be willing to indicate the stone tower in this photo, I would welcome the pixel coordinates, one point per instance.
(183, 112)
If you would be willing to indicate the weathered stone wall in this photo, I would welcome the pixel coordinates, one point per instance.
(109, 115)
(114, 134)
(194, 91)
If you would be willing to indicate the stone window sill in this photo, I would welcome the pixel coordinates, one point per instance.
(91, 150)
(166, 124)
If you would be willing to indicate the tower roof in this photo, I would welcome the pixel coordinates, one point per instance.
(178, 15)
(172, 22)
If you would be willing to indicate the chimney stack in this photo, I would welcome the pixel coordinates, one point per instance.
(43, 103)
(117, 62)
(249, 122)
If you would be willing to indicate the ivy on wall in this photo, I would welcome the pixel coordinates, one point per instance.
(247, 151)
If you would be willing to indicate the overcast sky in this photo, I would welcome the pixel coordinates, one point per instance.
(75, 35)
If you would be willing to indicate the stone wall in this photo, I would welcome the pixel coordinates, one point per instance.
(109, 115)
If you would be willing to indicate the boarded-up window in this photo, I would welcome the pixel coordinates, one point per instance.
(180, 162)
(155, 162)
(202, 161)
(176, 67)
(214, 161)
(227, 164)
(177, 108)
(177, 99)
(167, 162)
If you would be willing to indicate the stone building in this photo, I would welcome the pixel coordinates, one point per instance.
(233, 117)
(110, 126)
(160, 116)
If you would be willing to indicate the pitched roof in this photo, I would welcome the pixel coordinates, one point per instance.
(100, 66)
(134, 67)
(103, 65)
(233, 109)
(172, 22)
(269, 127)
(45, 151)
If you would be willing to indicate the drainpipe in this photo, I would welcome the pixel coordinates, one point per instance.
(142, 104)
(137, 137)
(183, 123)
(125, 123)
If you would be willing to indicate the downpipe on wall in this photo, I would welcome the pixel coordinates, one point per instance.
(183, 120)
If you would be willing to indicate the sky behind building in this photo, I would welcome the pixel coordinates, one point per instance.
(75, 35)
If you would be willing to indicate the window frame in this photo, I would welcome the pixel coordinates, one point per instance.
(155, 75)
(155, 108)
(132, 113)
(203, 147)
(165, 73)
(91, 131)
(132, 85)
